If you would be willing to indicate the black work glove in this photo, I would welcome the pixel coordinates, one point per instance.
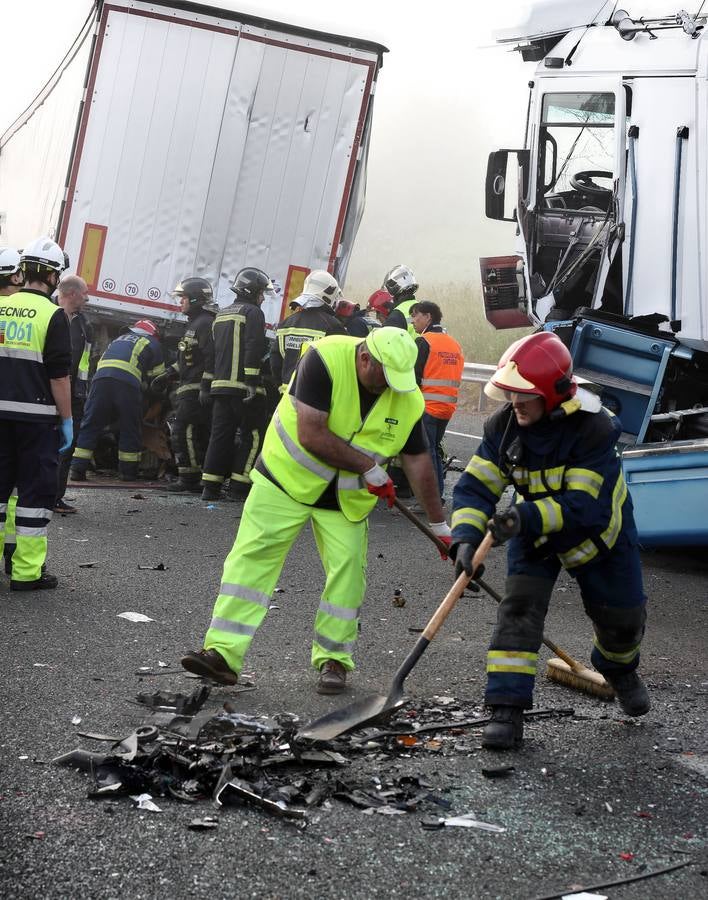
(250, 393)
(505, 525)
(205, 398)
(159, 384)
(463, 555)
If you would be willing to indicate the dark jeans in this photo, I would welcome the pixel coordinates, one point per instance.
(77, 414)
(435, 432)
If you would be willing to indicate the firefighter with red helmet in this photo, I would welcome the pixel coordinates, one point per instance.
(556, 446)
(129, 365)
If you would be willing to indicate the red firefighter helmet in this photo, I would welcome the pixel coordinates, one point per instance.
(145, 326)
(381, 301)
(538, 365)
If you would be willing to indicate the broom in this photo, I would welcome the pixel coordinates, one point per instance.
(565, 670)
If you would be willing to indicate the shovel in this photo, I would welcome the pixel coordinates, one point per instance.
(363, 711)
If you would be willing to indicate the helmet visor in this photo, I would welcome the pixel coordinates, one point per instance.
(503, 395)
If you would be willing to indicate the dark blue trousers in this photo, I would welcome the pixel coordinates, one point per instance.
(112, 400)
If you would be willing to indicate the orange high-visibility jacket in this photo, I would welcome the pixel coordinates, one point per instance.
(442, 374)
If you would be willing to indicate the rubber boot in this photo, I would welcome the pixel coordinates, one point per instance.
(211, 490)
(506, 730)
(237, 491)
(185, 486)
(631, 692)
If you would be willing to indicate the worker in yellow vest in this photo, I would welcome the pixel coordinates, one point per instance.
(439, 373)
(351, 406)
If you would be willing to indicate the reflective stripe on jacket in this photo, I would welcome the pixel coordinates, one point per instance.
(132, 358)
(442, 374)
(239, 345)
(381, 435)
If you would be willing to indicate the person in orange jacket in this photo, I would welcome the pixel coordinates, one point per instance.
(439, 374)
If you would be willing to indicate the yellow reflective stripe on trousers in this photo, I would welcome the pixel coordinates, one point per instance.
(584, 480)
(517, 661)
(623, 658)
(186, 388)
(467, 515)
(551, 514)
(125, 456)
(489, 474)
(80, 453)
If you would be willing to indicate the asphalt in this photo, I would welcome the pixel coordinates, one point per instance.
(593, 798)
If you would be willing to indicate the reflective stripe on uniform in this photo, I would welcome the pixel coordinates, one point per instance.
(33, 512)
(125, 456)
(334, 646)
(186, 388)
(584, 480)
(551, 514)
(623, 658)
(80, 453)
(232, 627)
(307, 462)
(440, 382)
(489, 474)
(26, 531)
(441, 398)
(244, 593)
(12, 353)
(588, 549)
(517, 661)
(467, 515)
(46, 409)
(338, 612)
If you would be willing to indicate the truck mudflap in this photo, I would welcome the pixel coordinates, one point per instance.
(668, 483)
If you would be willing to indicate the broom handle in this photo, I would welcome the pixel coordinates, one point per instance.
(443, 548)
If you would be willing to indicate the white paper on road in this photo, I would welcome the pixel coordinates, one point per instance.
(135, 617)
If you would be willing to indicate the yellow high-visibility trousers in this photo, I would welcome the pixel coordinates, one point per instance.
(269, 526)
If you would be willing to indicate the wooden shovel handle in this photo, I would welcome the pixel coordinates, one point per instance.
(457, 590)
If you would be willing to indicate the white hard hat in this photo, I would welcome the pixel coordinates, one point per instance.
(9, 261)
(323, 285)
(44, 252)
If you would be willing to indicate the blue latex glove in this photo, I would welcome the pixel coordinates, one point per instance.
(67, 433)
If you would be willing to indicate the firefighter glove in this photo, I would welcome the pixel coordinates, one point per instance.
(160, 382)
(205, 398)
(505, 525)
(250, 393)
(378, 482)
(442, 532)
(67, 434)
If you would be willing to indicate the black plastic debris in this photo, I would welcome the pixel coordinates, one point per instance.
(183, 704)
(498, 772)
(88, 565)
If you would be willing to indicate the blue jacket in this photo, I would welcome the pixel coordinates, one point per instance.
(571, 494)
(132, 358)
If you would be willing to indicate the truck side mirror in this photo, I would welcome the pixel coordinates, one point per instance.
(498, 177)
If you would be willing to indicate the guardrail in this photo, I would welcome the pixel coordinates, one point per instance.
(479, 373)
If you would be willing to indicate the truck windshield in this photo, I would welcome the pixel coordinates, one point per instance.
(576, 152)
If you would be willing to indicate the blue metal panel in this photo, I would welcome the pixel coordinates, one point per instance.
(670, 495)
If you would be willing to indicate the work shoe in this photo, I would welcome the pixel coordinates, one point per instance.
(333, 677)
(211, 491)
(77, 475)
(506, 729)
(631, 692)
(209, 664)
(184, 487)
(62, 507)
(237, 492)
(43, 583)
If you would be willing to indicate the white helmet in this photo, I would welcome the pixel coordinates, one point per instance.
(323, 285)
(44, 252)
(400, 282)
(9, 261)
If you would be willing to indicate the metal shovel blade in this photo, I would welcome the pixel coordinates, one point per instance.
(355, 715)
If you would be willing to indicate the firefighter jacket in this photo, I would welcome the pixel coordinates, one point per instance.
(81, 335)
(381, 435)
(400, 316)
(302, 327)
(132, 358)
(238, 348)
(439, 371)
(194, 348)
(571, 494)
(35, 347)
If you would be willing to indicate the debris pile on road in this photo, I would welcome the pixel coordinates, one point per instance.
(192, 754)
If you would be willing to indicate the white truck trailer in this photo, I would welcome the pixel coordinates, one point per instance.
(611, 211)
(179, 139)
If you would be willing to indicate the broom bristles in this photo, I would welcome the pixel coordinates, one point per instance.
(580, 679)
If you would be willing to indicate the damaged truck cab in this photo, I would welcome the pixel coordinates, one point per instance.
(611, 214)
